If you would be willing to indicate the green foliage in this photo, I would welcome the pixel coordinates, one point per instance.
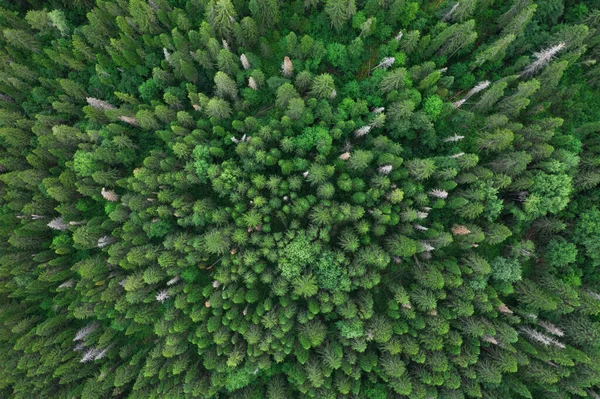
(296, 255)
(84, 163)
(216, 242)
(315, 198)
(433, 106)
(305, 286)
(560, 253)
(506, 269)
(225, 86)
(201, 156)
(337, 54)
(314, 137)
(219, 13)
(402, 246)
(149, 90)
(330, 272)
(549, 194)
(360, 160)
(587, 232)
(285, 93)
(143, 15)
(218, 108)
(339, 11)
(323, 86)
(266, 12)
(394, 80)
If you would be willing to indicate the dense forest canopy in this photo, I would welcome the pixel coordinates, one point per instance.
(299, 199)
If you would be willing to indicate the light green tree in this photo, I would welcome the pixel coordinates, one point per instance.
(218, 108)
(323, 86)
(221, 15)
(225, 86)
(340, 11)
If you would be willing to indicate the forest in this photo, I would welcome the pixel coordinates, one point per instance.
(281, 199)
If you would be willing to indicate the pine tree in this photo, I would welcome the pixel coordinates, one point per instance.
(218, 108)
(511, 163)
(225, 86)
(221, 15)
(265, 12)
(58, 20)
(323, 86)
(495, 52)
(339, 11)
(285, 93)
(21, 39)
(420, 169)
(462, 10)
(394, 80)
(515, 25)
(248, 32)
(143, 16)
(453, 39)
(550, 78)
(227, 62)
(496, 141)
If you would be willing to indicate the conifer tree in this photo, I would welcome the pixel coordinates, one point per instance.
(339, 11)
(323, 86)
(143, 16)
(265, 12)
(225, 86)
(221, 14)
(495, 51)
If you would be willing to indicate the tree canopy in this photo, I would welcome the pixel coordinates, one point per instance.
(377, 199)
